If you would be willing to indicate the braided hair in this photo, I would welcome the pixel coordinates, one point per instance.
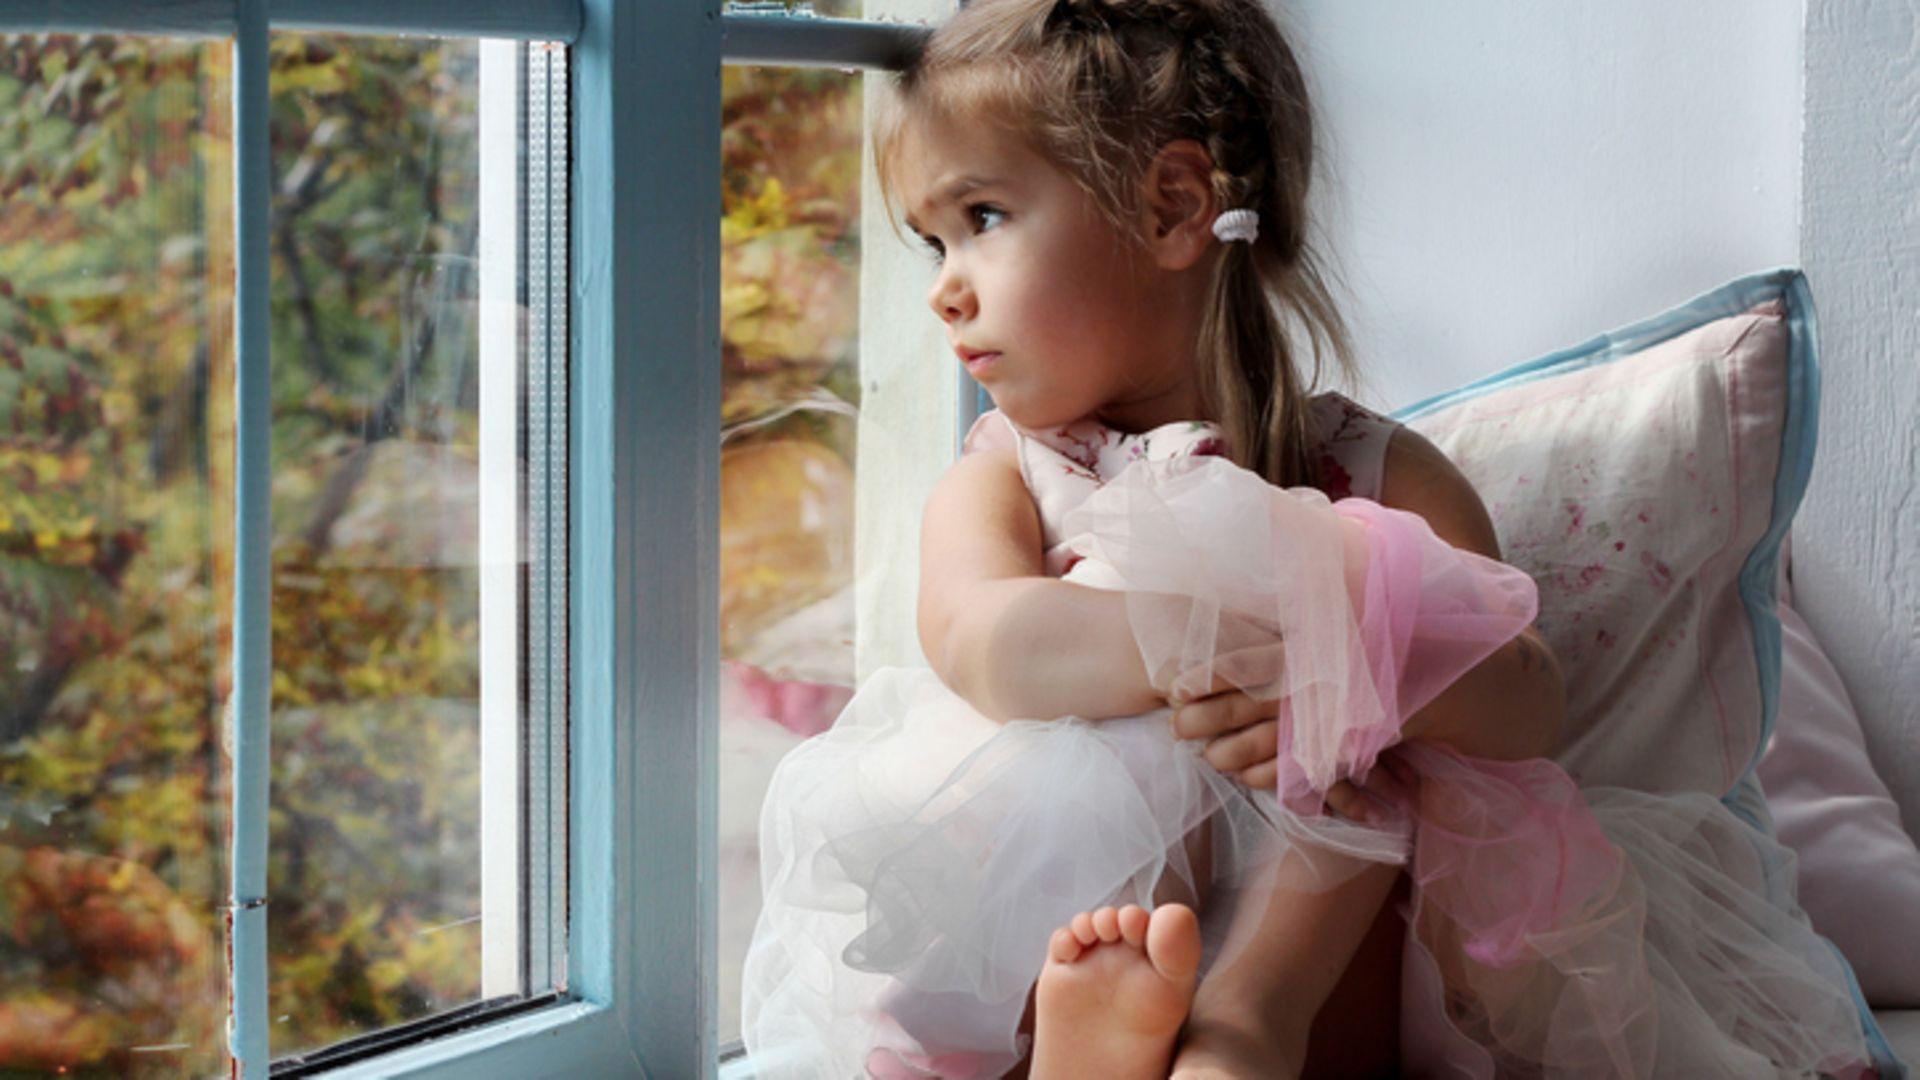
(1097, 88)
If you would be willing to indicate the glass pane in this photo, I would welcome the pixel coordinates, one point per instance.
(380, 369)
(790, 149)
(116, 389)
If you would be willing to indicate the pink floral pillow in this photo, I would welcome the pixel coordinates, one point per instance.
(1638, 479)
(1859, 870)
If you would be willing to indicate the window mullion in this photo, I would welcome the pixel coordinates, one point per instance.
(253, 539)
(645, 517)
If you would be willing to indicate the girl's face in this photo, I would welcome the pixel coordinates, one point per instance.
(1067, 321)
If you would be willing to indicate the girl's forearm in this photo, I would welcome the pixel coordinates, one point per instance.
(1041, 648)
(1509, 708)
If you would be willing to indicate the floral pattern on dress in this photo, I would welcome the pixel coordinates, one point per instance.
(1065, 464)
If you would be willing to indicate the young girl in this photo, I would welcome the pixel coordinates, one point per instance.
(1154, 666)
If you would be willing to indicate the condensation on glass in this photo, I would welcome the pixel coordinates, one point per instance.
(408, 353)
(790, 274)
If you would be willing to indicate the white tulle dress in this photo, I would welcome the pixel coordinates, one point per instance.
(916, 856)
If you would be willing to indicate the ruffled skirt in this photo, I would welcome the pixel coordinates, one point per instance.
(916, 857)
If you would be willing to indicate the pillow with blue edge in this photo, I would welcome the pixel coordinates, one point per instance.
(1646, 479)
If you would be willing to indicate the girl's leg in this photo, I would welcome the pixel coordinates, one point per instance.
(1356, 1035)
(1286, 951)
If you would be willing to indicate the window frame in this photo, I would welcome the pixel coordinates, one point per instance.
(644, 539)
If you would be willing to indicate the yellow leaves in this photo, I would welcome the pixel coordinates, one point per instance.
(387, 975)
(788, 298)
(289, 691)
(118, 406)
(764, 212)
(367, 681)
(786, 514)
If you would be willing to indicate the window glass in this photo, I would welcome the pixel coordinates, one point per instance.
(791, 149)
(375, 868)
(116, 559)
(116, 542)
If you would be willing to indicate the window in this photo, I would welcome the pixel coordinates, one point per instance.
(491, 442)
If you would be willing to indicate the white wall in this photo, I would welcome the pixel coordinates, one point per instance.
(1509, 178)
(1857, 540)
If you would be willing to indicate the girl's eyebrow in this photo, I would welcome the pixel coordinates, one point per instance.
(950, 193)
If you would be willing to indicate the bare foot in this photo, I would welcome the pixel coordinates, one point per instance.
(1114, 993)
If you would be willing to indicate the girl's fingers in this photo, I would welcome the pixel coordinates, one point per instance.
(1265, 775)
(1244, 748)
(1211, 717)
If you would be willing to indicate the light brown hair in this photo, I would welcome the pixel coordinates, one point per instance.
(1098, 88)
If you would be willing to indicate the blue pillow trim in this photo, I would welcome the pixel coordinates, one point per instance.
(1759, 573)
(1885, 1061)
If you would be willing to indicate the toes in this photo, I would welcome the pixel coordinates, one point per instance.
(1082, 927)
(1106, 923)
(1173, 942)
(1133, 925)
(1063, 948)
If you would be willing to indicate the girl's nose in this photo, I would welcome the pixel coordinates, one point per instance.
(950, 297)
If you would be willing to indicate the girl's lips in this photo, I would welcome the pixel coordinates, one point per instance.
(978, 362)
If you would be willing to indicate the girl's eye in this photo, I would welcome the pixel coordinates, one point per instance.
(978, 213)
(981, 210)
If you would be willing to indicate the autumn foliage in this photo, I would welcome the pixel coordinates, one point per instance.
(116, 480)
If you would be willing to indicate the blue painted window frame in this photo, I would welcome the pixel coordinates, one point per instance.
(644, 524)
(644, 501)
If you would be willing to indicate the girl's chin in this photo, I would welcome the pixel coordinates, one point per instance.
(1025, 415)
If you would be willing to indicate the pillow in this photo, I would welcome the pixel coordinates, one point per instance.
(1655, 553)
(1859, 872)
(1646, 480)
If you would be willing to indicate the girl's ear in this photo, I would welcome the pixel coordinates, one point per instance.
(1180, 206)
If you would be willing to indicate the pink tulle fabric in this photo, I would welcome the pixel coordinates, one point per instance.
(916, 856)
(1358, 618)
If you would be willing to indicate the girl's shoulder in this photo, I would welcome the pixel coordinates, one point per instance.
(990, 431)
(1350, 446)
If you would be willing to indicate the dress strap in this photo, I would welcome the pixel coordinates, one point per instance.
(1352, 453)
(991, 430)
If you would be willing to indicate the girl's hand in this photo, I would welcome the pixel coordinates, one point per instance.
(1242, 740)
(1242, 737)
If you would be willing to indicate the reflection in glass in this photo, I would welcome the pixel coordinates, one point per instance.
(375, 869)
(790, 146)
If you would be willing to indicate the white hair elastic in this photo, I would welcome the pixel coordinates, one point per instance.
(1237, 225)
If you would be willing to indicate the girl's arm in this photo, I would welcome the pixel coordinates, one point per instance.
(1512, 705)
(1012, 641)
